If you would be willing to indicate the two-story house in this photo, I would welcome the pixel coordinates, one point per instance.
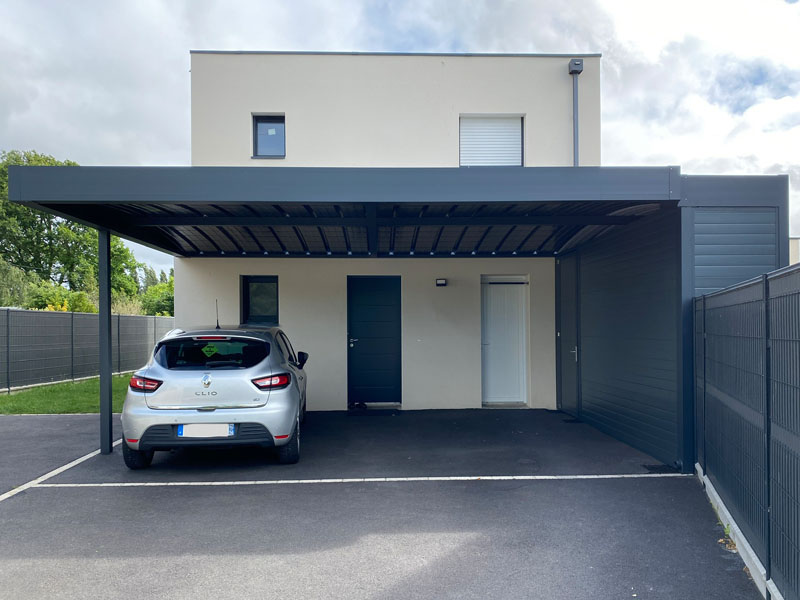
(437, 232)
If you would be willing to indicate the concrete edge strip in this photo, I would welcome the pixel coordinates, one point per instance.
(36, 482)
(757, 570)
(358, 480)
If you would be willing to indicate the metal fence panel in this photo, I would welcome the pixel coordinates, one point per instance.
(48, 346)
(784, 321)
(85, 336)
(735, 406)
(136, 333)
(163, 325)
(4, 353)
(40, 345)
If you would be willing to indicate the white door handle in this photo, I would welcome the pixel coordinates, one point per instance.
(575, 352)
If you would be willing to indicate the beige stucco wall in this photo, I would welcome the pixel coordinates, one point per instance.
(386, 110)
(794, 251)
(441, 327)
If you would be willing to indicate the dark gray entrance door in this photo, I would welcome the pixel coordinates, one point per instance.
(373, 339)
(568, 332)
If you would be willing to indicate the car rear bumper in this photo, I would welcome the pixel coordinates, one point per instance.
(165, 437)
(274, 422)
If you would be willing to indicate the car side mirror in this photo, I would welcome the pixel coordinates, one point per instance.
(302, 358)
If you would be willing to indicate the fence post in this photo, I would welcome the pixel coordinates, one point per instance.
(768, 423)
(705, 411)
(119, 344)
(8, 349)
(72, 345)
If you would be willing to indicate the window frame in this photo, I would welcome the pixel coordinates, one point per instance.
(244, 298)
(267, 118)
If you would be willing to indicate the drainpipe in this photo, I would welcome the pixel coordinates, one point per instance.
(575, 69)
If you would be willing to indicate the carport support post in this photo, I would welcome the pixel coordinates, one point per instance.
(104, 273)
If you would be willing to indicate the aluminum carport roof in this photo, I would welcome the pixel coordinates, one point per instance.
(297, 211)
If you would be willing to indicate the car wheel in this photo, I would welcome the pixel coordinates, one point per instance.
(289, 453)
(136, 459)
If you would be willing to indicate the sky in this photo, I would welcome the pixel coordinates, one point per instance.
(712, 86)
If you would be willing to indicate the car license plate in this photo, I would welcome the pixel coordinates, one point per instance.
(206, 430)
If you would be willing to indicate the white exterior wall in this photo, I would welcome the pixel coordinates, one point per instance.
(441, 327)
(345, 110)
(794, 251)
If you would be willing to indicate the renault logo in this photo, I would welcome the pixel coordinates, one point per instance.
(206, 380)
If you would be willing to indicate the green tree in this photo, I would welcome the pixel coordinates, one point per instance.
(46, 295)
(149, 277)
(52, 248)
(159, 299)
(15, 285)
(55, 249)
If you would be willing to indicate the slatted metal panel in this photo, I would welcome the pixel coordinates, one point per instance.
(629, 334)
(136, 333)
(4, 355)
(55, 346)
(735, 406)
(784, 476)
(733, 245)
(491, 141)
(41, 346)
(87, 355)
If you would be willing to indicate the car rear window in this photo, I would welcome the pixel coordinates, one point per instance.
(228, 353)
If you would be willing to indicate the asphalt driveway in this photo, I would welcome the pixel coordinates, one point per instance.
(233, 524)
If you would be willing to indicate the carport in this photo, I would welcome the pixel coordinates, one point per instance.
(632, 247)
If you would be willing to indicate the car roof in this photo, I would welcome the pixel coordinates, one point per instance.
(265, 333)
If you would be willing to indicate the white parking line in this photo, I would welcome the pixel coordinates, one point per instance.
(358, 480)
(36, 482)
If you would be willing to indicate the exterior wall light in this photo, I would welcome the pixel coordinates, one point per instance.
(441, 282)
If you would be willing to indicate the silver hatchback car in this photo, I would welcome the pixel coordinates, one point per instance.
(216, 388)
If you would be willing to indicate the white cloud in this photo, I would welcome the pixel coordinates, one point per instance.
(712, 86)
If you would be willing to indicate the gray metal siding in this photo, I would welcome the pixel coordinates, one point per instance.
(733, 245)
(629, 298)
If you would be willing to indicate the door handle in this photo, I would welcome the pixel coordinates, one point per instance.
(353, 340)
(575, 352)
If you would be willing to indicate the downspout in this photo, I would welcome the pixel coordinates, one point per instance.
(575, 69)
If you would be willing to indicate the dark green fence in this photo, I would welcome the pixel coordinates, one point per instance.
(44, 346)
(747, 409)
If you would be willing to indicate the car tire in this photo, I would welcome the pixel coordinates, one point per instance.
(289, 453)
(136, 459)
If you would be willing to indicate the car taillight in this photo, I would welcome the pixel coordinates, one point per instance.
(143, 384)
(273, 382)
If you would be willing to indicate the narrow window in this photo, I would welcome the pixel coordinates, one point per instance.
(490, 141)
(259, 300)
(269, 136)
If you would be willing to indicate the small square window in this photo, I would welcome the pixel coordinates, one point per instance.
(259, 299)
(269, 136)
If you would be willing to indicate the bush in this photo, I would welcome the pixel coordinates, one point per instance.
(159, 299)
(49, 296)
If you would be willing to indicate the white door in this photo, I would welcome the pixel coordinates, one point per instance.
(504, 336)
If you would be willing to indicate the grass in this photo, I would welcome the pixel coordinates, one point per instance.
(63, 398)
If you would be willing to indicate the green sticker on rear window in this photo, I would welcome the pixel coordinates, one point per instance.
(209, 350)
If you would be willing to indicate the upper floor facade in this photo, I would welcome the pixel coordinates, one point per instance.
(391, 110)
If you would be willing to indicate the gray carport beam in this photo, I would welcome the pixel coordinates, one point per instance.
(309, 185)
